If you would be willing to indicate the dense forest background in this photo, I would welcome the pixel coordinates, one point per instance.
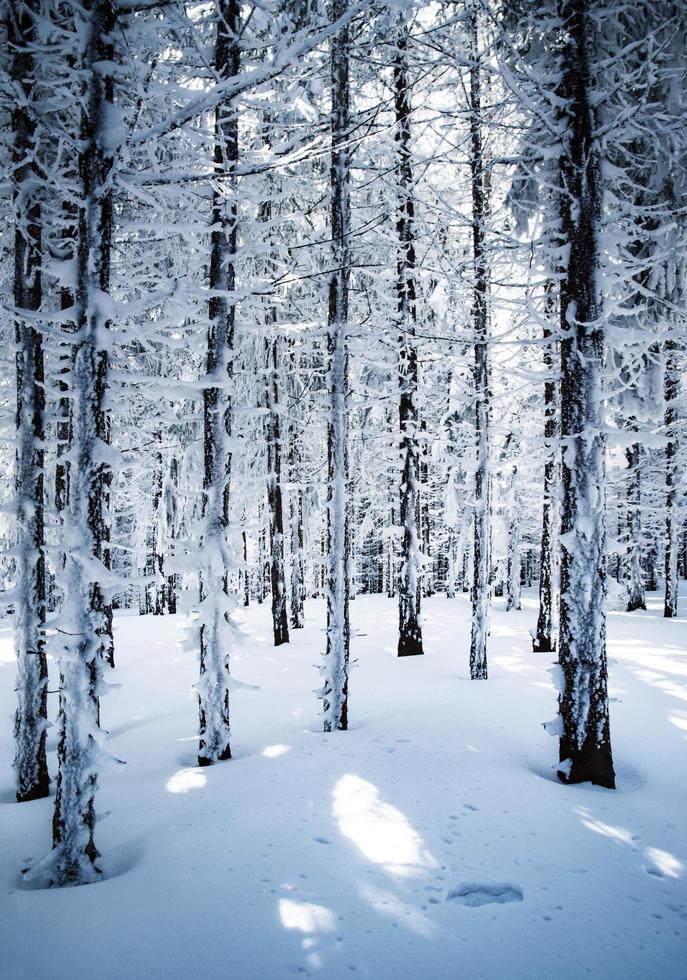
(311, 300)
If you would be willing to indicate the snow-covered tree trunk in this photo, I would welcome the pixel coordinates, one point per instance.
(85, 626)
(153, 596)
(544, 640)
(215, 627)
(636, 598)
(585, 744)
(297, 537)
(32, 669)
(513, 571)
(335, 666)
(480, 591)
(672, 521)
(280, 624)
(296, 580)
(410, 578)
(170, 513)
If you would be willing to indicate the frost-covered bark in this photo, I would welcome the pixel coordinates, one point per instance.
(29, 600)
(215, 605)
(480, 591)
(280, 624)
(409, 582)
(636, 597)
(513, 571)
(672, 520)
(544, 640)
(153, 598)
(585, 745)
(297, 538)
(335, 666)
(85, 626)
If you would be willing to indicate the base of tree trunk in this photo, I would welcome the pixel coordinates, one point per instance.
(593, 764)
(204, 761)
(543, 644)
(410, 646)
(37, 792)
(634, 604)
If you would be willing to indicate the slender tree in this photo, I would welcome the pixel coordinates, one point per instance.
(410, 578)
(585, 743)
(85, 629)
(671, 489)
(215, 605)
(32, 669)
(480, 593)
(335, 666)
(544, 640)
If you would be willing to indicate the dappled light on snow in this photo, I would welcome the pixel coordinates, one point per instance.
(186, 780)
(274, 751)
(513, 665)
(620, 834)
(679, 722)
(305, 916)
(380, 831)
(666, 863)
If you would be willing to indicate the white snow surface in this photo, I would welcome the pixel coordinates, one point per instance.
(432, 840)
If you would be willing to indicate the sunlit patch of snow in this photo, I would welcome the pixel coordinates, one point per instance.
(186, 780)
(274, 751)
(380, 831)
(666, 863)
(513, 665)
(620, 834)
(7, 653)
(305, 916)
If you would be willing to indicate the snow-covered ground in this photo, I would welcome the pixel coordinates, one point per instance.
(430, 841)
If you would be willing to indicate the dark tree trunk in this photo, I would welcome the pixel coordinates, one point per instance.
(480, 320)
(296, 517)
(410, 578)
(32, 669)
(87, 643)
(335, 667)
(245, 571)
(636, 598)
(280, 625)
(672, 525)
(544, 640)
(170, 526)
(585, 744)
(215, 630)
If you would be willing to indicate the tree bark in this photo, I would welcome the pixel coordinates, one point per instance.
(636, 598)
(31, 718)
(215, 606)
(86, 636)
(335, 667)
(480, 592)
(544, 640)
(410, 577)
(585, 744)
(672, 518)
(280, 624)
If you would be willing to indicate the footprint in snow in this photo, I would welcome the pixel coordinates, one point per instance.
(474, 895)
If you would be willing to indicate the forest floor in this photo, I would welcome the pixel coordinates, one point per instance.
(430, 841)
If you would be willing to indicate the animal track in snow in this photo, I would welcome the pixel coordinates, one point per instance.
(475, 894)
